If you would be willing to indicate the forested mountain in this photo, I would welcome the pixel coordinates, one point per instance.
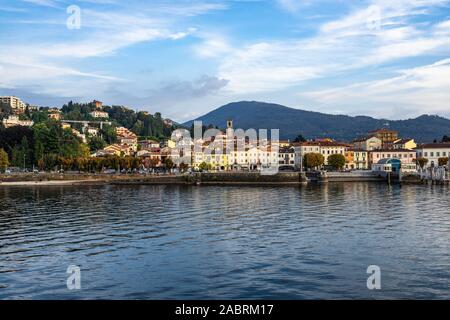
(292, 122)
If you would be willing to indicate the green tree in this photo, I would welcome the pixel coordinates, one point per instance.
(168, 163)
(337, 161)
(4, 160)
(421, 162)
(39, 153)
(96, 143)
(300, 138)
(313, 160)
(446, 139)
(5, 110)
(205, 166)
(109, 134)
(184, 167)
(39, 116)
(443, 161)
(23, 154)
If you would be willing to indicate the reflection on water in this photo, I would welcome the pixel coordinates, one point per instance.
(176, 242)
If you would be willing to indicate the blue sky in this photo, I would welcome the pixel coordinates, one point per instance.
(388, 59)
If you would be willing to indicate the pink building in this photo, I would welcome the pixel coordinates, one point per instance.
(405, 155)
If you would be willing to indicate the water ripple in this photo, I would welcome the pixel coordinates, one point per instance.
(169, 242)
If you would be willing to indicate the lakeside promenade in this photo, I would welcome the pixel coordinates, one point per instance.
(213, 178)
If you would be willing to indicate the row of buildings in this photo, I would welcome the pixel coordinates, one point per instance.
(379, 145)
(224, 151)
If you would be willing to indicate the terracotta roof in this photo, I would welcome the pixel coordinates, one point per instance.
(443, 145)
(362, 139)
(322, 144)
(392, 150)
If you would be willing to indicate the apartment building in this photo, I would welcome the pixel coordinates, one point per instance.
(15, 103)
(387, 137)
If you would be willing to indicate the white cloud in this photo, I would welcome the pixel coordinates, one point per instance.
(212, 46)
(413, 92)
(341, 46)
(55, 60)
(46, 3)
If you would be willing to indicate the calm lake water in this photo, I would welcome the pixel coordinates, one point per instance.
(176, 242)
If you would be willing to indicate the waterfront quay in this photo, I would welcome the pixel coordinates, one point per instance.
(205, 178)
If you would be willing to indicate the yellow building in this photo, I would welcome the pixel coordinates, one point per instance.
(217, 161)
(171, 144)
(350, 159)
(361, 159)
(408, 144)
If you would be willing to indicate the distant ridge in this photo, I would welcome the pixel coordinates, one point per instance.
(292, 122)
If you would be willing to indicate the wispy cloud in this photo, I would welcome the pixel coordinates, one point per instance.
(413, 91)
(45, 3)
(104, 32)
(377, 51)
(347, 44)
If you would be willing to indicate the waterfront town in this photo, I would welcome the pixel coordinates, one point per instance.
(381, 150)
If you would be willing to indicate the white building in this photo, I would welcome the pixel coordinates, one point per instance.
(325, 148)
(254, 157)
(287, 156)
(367, 143)
(99, 114)
(433, 152)
(92, 131)
(13, 121)
(15, 103)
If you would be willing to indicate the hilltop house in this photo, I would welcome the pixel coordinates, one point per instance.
(14, 121)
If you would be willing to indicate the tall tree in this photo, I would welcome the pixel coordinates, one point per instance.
(421, 162)
(443, 161)
(337, 161)
(5, 110)
(96, 143)
(313, 160)
(300, 138)
(4, 160)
